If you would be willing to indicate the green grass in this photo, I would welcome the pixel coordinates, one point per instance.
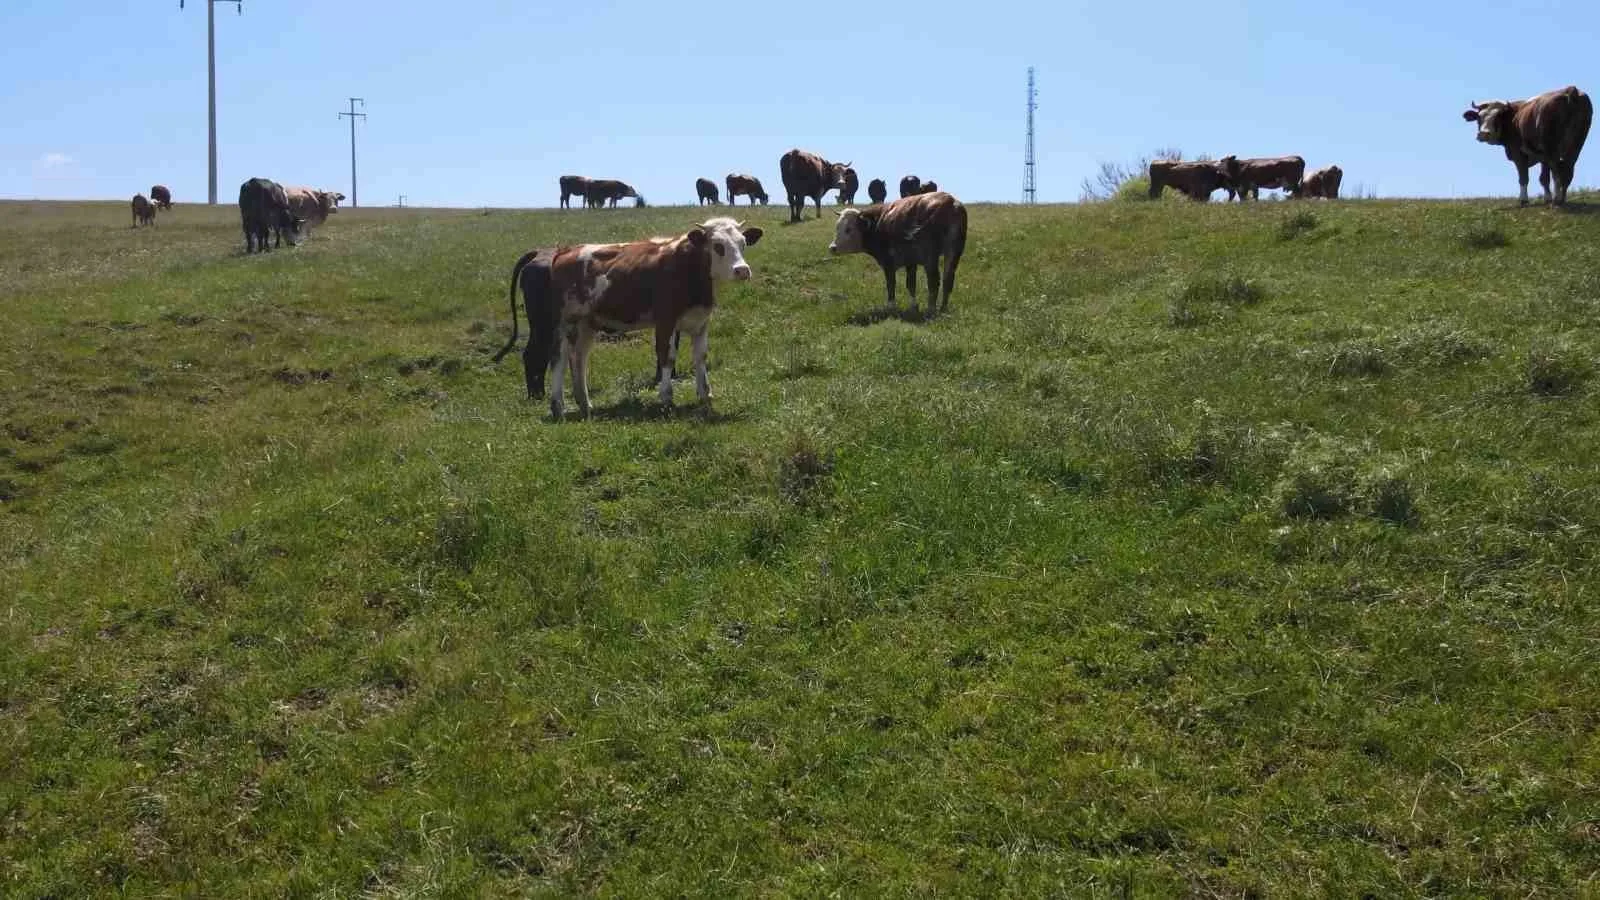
(299, 595)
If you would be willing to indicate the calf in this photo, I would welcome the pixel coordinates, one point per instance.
(1549, 129)
(847, 192)
(1247, 177)
(573, 186)
(917, 229)
(707, 189)
(910, 186)
(1323, 183)
(748, 185)
(573, 293)
(144, 212)
(1195, 180)
(606, 190)
(161, 197)
(263, 207)
(311, 205)
(877, 191)
(807, 175)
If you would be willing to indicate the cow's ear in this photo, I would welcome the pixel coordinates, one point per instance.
(1470, 115)
(752, 236)
(697, 236)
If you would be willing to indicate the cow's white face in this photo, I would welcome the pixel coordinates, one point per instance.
(1492, 118)
(849, 234)
(726, 240)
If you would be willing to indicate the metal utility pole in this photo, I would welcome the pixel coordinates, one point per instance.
(1030, 174)
(353, 115)
(211, 84)
(402, 203)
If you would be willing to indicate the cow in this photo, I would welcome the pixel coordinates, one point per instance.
(929, 187)
(917, 229)
(573, 293)
(144, 212)
(311, 205)
(1247, 177)
(1548, 130)
(573, 186)
(808, 175)
(1323, 183)
(877, 191)
(263, 207)
(602, 191)
(1195, 180)
(910, 186)
(748, 185)
(707, 189)
(161, 196)
(852, 183)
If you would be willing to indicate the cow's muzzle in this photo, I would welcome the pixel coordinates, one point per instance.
(741, 273)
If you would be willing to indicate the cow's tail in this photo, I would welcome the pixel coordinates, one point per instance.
(516, 276)
(1583, 116)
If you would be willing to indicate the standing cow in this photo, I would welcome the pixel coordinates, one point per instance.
(847, 192)
(161, 196)
(264, 207)
(144, 212)
(929, 187)
(748, 185)
(1247, 177)
(603, 191)
(913, 230)
(707, 191)
(1323, 183)
(807, 175)
(910, 186)
(877, 191)
(573, 186)
(571, 294)
(311, 205)
(1548, 130)
(1195, 180)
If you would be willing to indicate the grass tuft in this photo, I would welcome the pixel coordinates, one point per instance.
(1484, 235)
(1296, 224)
(1555, 371)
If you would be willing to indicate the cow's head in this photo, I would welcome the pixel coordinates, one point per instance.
(724, 241)
(1492, 117)
(328, 202)
(849, 233)
(836, 174)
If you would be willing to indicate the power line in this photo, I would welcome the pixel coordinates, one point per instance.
(353, 115)
(211, 84)
(1030, 172)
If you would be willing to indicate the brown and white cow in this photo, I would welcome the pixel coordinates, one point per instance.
(601, 191)
(910, 231)
(707, 191)
(573, 186)
(847, 191)
(144, 212)
(1548, 130)
(161, 196)
(1247, 177)
(572, 294)
(910, 186)
(748, 185)
(312, 205)
(877, 191)
(807, 175)
(1323, 183)
(1195, 180)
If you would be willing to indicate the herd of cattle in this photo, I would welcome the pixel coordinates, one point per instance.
(264, 207)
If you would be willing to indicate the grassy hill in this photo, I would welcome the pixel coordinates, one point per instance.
(1201, 550)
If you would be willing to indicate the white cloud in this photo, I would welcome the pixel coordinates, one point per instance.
(55, 160)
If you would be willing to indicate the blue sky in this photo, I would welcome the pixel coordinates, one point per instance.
(486, 102)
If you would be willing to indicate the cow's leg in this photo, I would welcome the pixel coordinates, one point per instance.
(952, 258)
(580, 368)
(664, 333)
(1544, 182)
(702, 384)
(1522, 183)
(888, 282)
(558, 380)
(930, 267)
(911, 283)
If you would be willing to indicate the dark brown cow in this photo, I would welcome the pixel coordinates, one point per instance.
(573, 186)
(161, 197)
(263, 208)
(1323, 183)
(573, 293)
(909, 231)
(1548, 130)
(602, 191)
(748, 185)
(1195, 180)
(144, 212)
(707, 191)
(807, 175)
(1247, 177)
(910, 186)
(852, 183)
(929, 187)
(877, 191)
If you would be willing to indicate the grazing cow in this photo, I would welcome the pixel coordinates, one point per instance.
(1195, 180)
(602, 191)
(1323, 183)
(144, 212)
(852, 183)
(707, 189)
(748, 185)
(573, 186)
(877, 191)
(808, 175)
(573, 293)
(1247, 177)
(311, 205)
(263, 207)
(912, 230)
(910, 186)
(161, 196)
(1548, 129)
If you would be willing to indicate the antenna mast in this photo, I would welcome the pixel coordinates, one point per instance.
(1030, 173)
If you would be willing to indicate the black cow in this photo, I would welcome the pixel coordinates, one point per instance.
(263, 207)
(877, 191)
